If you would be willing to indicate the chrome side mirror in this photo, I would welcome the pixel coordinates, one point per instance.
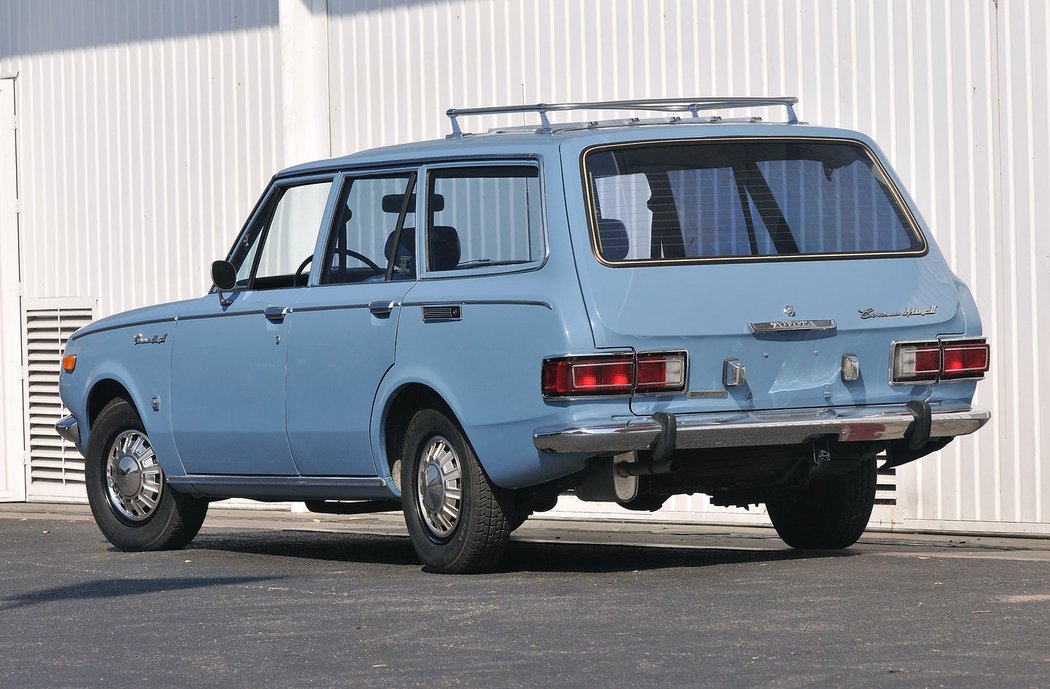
(224, 276)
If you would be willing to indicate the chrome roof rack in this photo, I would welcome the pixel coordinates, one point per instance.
(693, 106)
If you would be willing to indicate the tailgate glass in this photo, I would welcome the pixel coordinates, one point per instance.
(743, 200)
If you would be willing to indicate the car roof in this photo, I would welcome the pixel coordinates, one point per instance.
(514, 144)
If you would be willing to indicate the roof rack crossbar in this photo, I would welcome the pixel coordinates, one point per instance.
(694, 106)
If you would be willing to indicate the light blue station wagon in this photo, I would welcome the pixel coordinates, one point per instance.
(467, 328)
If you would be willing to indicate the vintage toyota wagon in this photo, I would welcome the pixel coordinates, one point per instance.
(466, 329)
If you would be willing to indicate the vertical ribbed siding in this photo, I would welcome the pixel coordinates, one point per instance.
(1024, 258)
(931, 81)
(148, 130)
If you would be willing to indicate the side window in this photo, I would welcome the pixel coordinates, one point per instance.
(277, 252)
(484, 216)
(365, 237)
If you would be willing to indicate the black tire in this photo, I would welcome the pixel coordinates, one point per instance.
(475, 541)
(171, 523)
(829, 515)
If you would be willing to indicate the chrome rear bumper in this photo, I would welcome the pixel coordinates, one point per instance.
(743, 429)
(69, 429)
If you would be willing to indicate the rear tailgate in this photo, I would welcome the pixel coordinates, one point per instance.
(709, 311)
(780, 255)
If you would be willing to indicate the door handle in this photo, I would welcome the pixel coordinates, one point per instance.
(381, 308)
(275, 313)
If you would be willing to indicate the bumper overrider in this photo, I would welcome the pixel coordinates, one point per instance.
(744, 429)
(69, 429)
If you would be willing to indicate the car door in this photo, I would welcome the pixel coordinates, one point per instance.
(229, 354)
(343, 329)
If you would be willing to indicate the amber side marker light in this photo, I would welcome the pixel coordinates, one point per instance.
(69, 362)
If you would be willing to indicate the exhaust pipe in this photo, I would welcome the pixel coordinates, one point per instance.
(627, 469)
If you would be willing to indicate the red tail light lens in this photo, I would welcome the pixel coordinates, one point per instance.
(919, 362)
(613, 375)
(966, 359)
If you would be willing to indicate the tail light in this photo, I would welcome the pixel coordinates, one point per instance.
(614, 375)
(965, 360)
(919, 362)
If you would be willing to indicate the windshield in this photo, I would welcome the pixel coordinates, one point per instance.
(740, 199)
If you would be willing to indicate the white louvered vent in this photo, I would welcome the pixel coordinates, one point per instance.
(56, 469)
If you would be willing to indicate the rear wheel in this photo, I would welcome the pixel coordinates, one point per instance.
(459, 522)
(132, 504)
(829, 515)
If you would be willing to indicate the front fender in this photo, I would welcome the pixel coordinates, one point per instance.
(142, 370)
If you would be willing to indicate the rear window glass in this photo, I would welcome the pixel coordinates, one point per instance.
(729, 200)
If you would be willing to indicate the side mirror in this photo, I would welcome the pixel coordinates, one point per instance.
(224, 275)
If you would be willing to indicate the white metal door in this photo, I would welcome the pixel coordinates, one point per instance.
(12, 446)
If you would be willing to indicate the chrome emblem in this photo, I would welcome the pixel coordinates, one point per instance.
(156, 339)
(786, 326)
(789, 310)
(906, 313)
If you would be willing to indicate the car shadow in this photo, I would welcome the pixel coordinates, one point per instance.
(312, 545)
(520, 557)
(598, 558)
(119, 588)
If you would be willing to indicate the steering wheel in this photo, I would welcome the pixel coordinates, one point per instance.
(346, 252)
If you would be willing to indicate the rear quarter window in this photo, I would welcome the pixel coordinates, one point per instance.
(743, 199)
(490, 216)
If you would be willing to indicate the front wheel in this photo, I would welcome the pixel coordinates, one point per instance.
(829, 515)
(132, 504)
(459, 522)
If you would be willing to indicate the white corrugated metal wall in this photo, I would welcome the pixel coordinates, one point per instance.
(157, 124)
(147, 131)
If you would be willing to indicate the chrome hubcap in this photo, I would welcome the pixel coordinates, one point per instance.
(134, 479)
(439, 487)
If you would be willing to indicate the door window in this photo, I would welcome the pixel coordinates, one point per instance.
(373, 233)
(277, 251)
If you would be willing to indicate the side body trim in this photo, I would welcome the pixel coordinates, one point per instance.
(274, 488)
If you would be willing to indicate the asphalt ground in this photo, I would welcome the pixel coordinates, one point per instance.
(265, 599)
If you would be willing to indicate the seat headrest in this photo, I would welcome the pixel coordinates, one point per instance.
(407, 246)
(444, 247)
(612, 239)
